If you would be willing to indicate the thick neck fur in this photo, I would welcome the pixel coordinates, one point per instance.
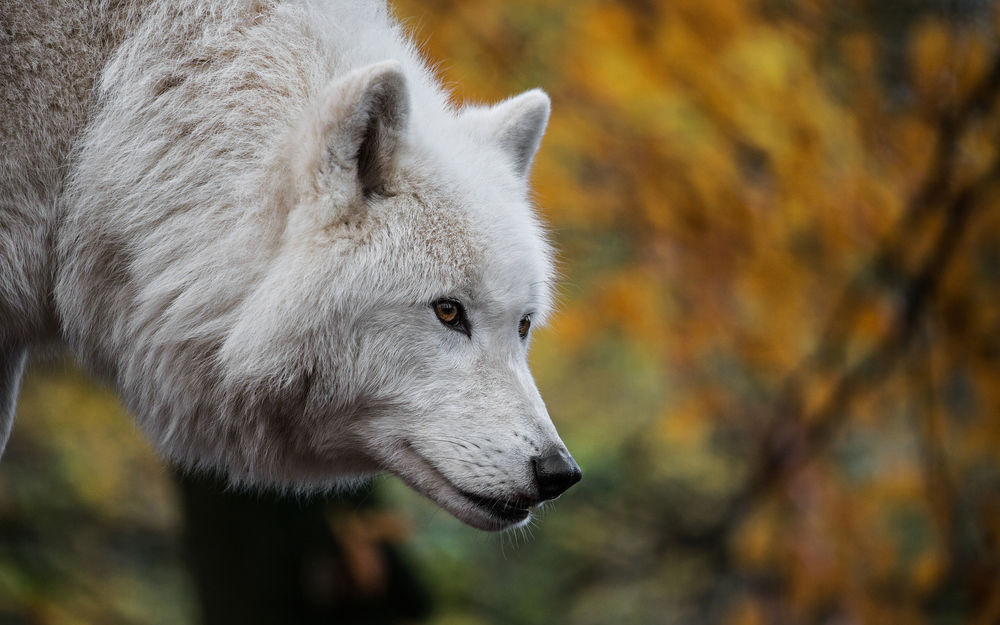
(51, 54)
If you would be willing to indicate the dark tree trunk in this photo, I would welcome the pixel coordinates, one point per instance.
(259, 558)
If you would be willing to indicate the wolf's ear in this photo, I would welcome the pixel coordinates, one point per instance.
(360, 120)
(517, 124)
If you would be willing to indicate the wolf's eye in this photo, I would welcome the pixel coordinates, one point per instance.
(523, 326)
(451, 314)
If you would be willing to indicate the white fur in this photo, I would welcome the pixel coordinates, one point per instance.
(260, 298)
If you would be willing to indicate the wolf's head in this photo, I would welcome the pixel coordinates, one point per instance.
(401, 300)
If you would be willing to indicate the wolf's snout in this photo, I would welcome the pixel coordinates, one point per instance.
(555, 472)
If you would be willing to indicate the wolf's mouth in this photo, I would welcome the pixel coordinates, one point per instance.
(481, 511)
(507, 510)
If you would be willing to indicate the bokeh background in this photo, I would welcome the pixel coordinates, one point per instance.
(777, 358)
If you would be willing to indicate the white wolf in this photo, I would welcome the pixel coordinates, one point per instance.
(264, 224)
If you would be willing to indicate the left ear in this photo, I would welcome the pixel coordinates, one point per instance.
(362, 119)
(344, 144)
(517, 124)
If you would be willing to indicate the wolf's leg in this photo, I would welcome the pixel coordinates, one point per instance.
(12, 361)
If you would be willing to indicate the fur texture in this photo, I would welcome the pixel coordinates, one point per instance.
(240, 214)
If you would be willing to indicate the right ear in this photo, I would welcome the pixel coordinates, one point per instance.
(351, 132)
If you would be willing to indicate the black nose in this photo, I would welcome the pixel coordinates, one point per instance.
(555, 472)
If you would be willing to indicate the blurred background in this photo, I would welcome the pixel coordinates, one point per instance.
(777, 357)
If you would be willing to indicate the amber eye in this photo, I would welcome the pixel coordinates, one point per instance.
(446, 311)
(451, 314)
(523, 326)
